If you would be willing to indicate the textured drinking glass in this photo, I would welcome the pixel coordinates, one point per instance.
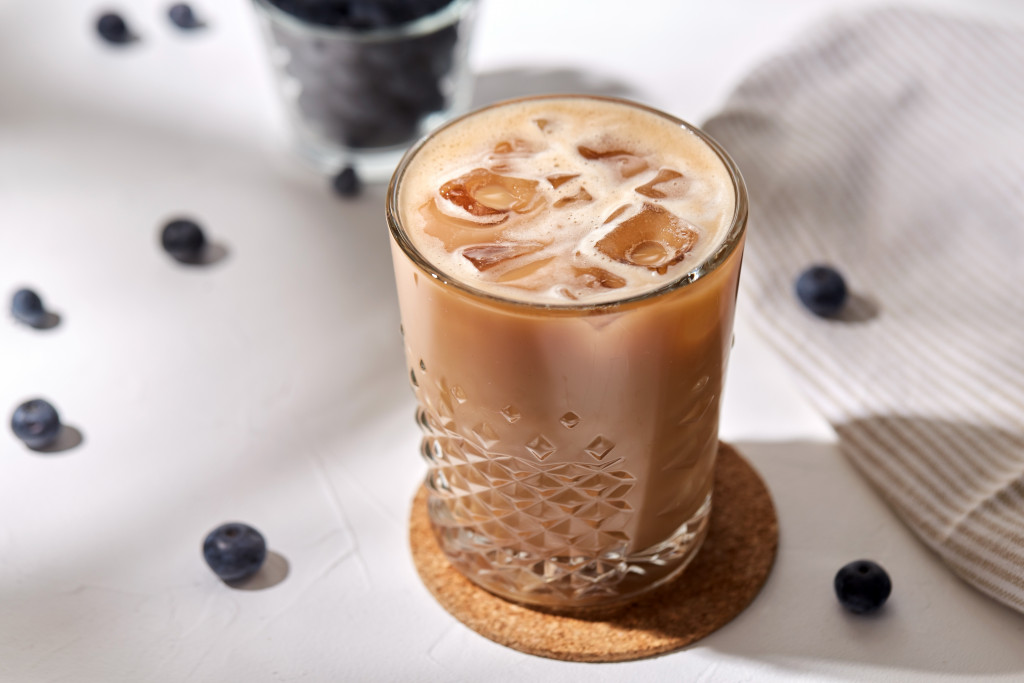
(360, 97)
(570, 447)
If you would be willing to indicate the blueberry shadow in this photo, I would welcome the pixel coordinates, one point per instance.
(47, 321)
(197, 26)
(494, 86)
(274, 571)
(69, 437)
(212, 254)
(125, 44)
(858, 309)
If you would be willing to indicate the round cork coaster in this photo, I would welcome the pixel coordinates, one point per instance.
(720, 582)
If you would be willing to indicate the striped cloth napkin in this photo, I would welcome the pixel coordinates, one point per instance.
(891, 145)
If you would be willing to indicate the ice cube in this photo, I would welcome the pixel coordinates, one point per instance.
(560, 179)
(485, 193)
(512, 275)
(653, 238)
(460, 230)
(667, 184)
(616, 213)
(487, 256)
(625, 162)
(581, 196)
(506, 153)
(581, 281)
(593, 277)
(515, 146)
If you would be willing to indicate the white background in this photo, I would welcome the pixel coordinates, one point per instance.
(271, 387)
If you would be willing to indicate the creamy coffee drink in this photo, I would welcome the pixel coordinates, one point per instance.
(567, 271)
(541, 202)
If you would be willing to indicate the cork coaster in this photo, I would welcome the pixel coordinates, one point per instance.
(720, 582)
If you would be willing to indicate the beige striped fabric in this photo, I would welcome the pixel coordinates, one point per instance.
(891, 145)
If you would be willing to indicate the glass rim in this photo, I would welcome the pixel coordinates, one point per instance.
(733, 237)
(429, 23)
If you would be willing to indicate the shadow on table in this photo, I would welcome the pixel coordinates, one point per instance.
(274, 570)
(69, 437)
(47, 321)
(212, 254)
(494, 86)
(829, 515)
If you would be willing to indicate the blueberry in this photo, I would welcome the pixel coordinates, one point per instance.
(27, 307)
(368, 15)
(360, 14)
(36, 423)
(822, 290)
(182, 16)
(346, 183)
(113, 29)
(234, 551)
(183, 239)
(862, 586)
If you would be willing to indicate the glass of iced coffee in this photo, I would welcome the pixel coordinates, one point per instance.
(567, 270)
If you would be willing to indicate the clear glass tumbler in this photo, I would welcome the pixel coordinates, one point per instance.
(570, 447)
(360, 97)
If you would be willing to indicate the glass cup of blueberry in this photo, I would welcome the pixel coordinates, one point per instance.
(363, 79)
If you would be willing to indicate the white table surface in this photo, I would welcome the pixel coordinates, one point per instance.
(271, 387)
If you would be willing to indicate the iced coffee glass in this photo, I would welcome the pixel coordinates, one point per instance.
(567, 270)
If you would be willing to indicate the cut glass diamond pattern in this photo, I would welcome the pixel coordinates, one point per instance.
(599, 448)
(427, 450)
(543, 482)
(510, 413)
(485, 435)
(570, 499)
(547, 521)
(517, 493)
(540, 447)
(438, 481)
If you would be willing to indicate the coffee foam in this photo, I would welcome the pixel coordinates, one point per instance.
(539, 140)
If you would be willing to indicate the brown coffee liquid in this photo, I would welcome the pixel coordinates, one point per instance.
(568, 387)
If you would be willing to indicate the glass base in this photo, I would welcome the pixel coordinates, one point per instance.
(372, 165)
(567, 582)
